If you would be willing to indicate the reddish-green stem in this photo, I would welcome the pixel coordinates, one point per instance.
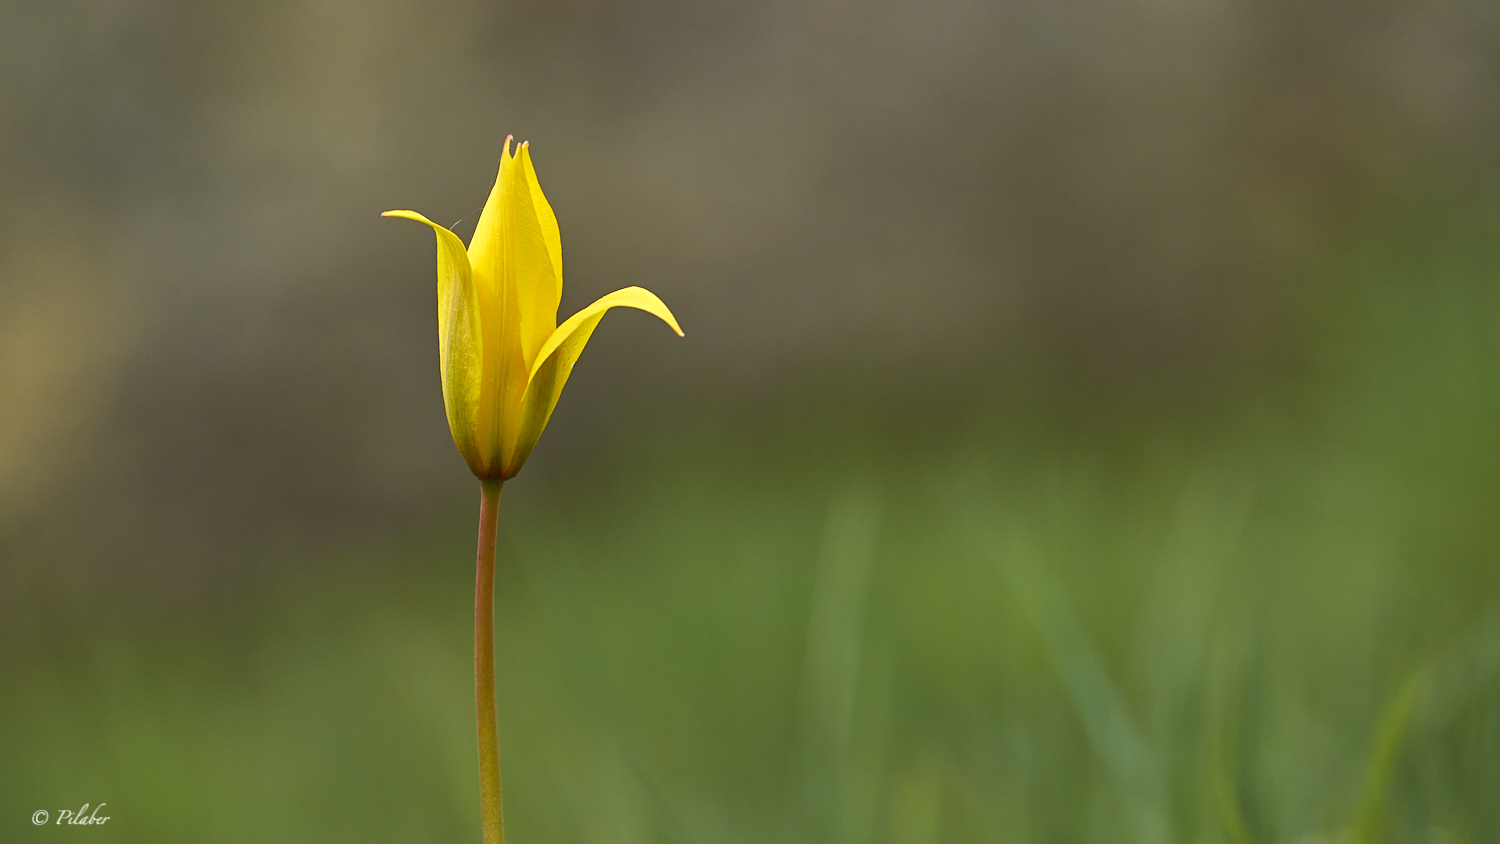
(484, 665)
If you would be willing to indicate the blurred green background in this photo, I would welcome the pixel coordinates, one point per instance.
(1086, 429)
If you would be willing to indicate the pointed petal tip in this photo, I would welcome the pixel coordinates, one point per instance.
(408, 215)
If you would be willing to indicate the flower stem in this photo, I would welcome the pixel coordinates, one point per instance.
(484, 664)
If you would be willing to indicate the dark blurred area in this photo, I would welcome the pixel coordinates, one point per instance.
(1085, 428)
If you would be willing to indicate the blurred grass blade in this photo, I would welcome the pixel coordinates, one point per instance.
(1224, 731)
(830, 675)
(1369, 820)
(1100, 706)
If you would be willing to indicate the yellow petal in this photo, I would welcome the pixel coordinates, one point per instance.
(516, 250)
(548, 220)
(537, 278)
(518, 293)
(492, 255)
(555, 363)
(487, 247)
(460, 339)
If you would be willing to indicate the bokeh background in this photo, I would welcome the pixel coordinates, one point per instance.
(1086, 429)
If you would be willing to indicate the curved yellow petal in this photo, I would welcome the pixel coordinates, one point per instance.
(536, 274)
(550, 232)
(518, 287)
(516, 251)
(492, 255)
(555, 362)
(487, 247)
(460, 339)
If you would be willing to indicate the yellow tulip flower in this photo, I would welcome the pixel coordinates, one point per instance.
(504, 361)
(503, 357)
